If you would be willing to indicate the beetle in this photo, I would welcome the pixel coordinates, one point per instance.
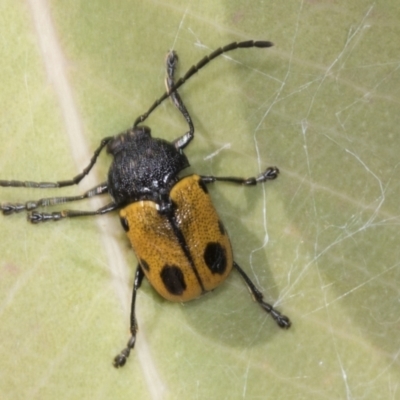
(181, 244)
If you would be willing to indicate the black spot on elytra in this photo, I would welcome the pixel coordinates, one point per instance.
(125, 224)
(203, 186)
(144, 264)
(173, 279)
(221, 227)
(215, 258)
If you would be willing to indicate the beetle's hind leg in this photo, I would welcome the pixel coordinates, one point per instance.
(120, 359)
(170, 64)
(281, 320)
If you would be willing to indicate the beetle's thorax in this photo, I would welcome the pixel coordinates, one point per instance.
(144, 168)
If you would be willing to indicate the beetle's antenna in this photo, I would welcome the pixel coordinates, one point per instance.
(203, 62)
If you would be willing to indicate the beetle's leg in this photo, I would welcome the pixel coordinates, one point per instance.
(170, 63)
(11, 208)
(281, 320)
(120, 359)
(75, 180)
(269, 174)
(35, 217)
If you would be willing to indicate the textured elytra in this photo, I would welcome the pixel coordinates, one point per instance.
(200, 226)
(190, 238)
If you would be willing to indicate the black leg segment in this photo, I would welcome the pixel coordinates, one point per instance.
(170, 63)
(269, 174)
(120, 359)
(11, 208)
(281, 320)
(35, 217)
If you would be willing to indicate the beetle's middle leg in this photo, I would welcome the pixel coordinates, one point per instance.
(269, 174)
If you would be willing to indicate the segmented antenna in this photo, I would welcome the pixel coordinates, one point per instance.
(203, 62)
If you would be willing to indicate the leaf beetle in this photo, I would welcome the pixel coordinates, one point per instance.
(181, 244)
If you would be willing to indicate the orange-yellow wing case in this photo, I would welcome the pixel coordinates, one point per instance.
(184, 255)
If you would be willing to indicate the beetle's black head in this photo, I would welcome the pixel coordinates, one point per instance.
(144, 168)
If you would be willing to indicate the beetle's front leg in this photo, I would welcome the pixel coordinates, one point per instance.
(170, 63)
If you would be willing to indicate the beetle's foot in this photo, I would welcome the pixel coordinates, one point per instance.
(37, 217)
(282, 320)
(11, 208)
(269, 174)
(120, 359)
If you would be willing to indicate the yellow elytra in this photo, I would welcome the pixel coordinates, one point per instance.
(185, 254)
